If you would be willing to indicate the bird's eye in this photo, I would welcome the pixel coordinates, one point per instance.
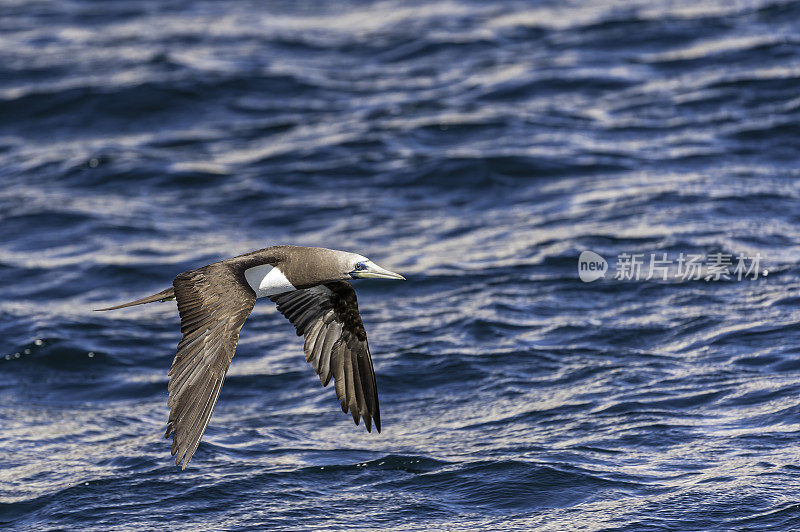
(360, 266)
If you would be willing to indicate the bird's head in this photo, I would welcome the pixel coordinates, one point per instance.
(359, 267)
(307, 266)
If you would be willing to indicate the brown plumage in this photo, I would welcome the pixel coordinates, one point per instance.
(336, 344)
(212, 314)
(310, 290)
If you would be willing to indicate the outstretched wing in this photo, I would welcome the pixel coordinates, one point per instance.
(212, 314)
(336, 344)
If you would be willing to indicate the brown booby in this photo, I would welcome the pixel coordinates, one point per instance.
(309, 286)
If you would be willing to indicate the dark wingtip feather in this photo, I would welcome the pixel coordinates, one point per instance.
(336, 345)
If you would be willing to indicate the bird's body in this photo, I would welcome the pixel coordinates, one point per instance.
(310, 288)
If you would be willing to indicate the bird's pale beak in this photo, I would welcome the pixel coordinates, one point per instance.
(374, 271)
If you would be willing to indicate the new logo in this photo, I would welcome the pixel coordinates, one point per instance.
(591, 266)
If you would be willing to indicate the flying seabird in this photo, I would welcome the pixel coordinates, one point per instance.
(311, 289)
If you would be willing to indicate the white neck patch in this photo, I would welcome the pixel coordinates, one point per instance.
(267, 280)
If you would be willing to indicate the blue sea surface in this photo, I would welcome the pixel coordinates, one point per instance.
(475, 147)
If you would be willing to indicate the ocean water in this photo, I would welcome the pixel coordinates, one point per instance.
(476, 147)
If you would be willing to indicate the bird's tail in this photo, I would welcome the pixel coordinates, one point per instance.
(164, 295)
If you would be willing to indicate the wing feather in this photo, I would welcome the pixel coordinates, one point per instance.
(336, 345)
(212, 314)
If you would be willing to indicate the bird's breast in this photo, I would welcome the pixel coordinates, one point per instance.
(267, 280)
